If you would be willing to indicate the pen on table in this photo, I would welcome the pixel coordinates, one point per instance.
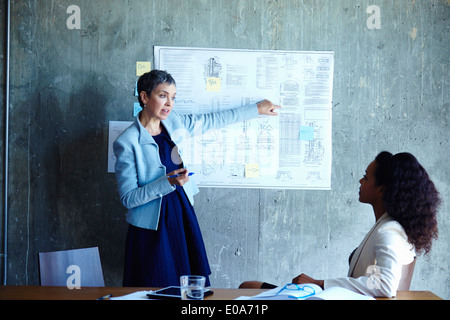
(105, 297)
(177, 175)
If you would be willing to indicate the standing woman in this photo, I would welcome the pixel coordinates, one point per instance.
(164, 239)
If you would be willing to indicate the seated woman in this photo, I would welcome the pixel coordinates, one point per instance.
(405, 203)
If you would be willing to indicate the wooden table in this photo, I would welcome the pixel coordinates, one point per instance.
(93, 293)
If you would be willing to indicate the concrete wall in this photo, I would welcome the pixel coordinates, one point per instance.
(390, 93)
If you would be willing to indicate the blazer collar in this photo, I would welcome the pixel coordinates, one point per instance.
(358, 250)
(145, 137)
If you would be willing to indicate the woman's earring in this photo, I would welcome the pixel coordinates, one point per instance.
(145, 106)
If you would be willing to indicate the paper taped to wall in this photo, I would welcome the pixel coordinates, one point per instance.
(292, 150)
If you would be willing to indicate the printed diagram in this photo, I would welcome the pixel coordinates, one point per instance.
(212, 68)
(264, 131)
(313, 175)
(290, 144)
(289, 151)
(207, 169)
(267, 144)
(289, 93)
(314, 149)
(284, 175)
(314, 152)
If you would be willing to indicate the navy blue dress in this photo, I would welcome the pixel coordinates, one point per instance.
(158, 258)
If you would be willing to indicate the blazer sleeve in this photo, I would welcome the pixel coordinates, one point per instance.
(131, 194)
(216, 120)
(382, 278)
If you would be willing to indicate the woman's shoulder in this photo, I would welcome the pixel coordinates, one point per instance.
(130, 134)
(391, 233)
(388, 223)
(391, 230)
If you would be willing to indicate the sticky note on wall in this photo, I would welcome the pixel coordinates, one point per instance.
(252, 170)
(143, 67)
(136, 109)
(306, 133)
(213, 84)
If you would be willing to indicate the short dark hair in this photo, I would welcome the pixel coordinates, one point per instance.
(150, 80)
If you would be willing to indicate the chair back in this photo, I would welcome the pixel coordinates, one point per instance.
(407, 273)
(78, 266)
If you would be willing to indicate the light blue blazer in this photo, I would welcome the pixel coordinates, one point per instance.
(141, 177)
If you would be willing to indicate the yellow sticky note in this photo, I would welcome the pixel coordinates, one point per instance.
(143, 67)
(213, 84)
(252, 170)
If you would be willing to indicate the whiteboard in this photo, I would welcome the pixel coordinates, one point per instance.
(288, 151)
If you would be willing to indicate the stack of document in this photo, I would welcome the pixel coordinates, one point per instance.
(307, 292)
(139, 295)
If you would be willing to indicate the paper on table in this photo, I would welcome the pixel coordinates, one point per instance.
(139, 295)
(334, 293)
(337, 293)
(279, 294)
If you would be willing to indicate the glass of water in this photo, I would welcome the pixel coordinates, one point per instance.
(192, 287)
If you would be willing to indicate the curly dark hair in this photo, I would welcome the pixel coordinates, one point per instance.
(410, 197)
